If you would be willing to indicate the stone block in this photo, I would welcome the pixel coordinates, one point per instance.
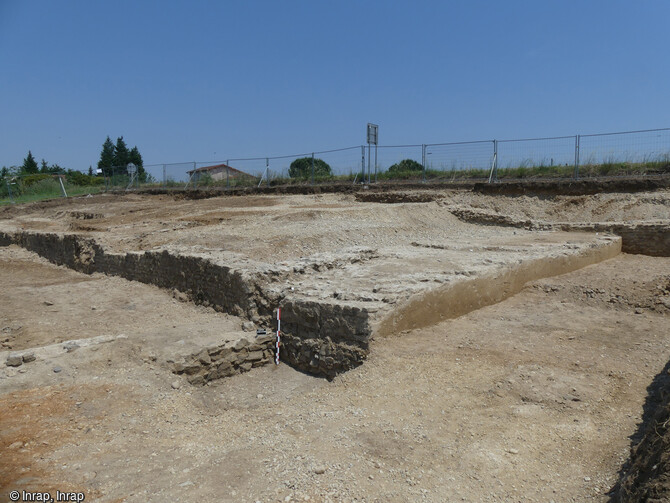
(241, 344)
(203, 357)
(14, 361)
(254, 356)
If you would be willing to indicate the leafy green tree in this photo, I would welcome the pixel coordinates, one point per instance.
(302, 168)
(406, 165)
(30, 164)
(106, 155)
(121, 153)
(44, 167)
(135, 157)
(4, 172)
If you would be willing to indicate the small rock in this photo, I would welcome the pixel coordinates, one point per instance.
(248, 326)
(16, 445)
(28, 357)
(639, 310)
(14, 361)
(70, 346)
(259, 396)
(176, 384)
(513, 451)
(57, 370)
(587, 479)
(320, 469)
(48, 303)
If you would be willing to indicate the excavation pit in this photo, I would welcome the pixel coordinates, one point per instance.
(400, 267)
(532, 392)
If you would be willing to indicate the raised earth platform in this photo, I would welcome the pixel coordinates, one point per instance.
(341, 270)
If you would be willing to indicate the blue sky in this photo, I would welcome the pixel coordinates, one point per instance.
(201, 81)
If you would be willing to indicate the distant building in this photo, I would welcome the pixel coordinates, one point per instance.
(218, 172)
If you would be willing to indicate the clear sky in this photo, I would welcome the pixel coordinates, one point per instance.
(205, 80)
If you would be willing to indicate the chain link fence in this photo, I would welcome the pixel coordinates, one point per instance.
(645, 152)
(628, 153)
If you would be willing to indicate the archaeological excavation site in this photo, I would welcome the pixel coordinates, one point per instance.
(483, 342)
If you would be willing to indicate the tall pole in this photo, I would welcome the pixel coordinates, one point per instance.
(227, 174)
(375, 163)
(9, 189)
(495, 160)
(368, 163)
(312, 168)
(362, 163)
(423, 160)
(576, 173)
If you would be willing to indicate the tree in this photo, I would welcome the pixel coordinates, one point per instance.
(30, 164)
(406, 165)
(90, 171)
(135, 157)
(106, 155)
(4, 172)
(121, 153)
(44, 167)
(302, 168)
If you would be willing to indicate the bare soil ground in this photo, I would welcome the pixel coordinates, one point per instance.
(531, 399)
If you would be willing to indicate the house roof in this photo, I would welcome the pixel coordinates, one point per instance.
(217, 166)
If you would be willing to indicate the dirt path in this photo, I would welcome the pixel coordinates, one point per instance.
(532, 399)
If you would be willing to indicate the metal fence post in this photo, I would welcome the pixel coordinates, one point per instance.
(164, 176)
(227, 174)
(375, 163)
(312, 168)
(423, 161)
(576, 174)
(493, 175)
(9, 189)
(363, 163)
(267, 170)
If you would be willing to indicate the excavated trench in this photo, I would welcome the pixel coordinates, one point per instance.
(321, 337)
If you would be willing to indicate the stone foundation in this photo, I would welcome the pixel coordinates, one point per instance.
(320, 338)
(225, 360)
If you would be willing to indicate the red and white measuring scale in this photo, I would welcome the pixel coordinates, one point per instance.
(278, 336)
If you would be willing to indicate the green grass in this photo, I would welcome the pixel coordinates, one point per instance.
(44, 190)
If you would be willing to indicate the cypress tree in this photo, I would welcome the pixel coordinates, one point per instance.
(30, 164)
(106, 156)
(121, 153)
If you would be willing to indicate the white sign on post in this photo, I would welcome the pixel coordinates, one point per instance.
(132, 169)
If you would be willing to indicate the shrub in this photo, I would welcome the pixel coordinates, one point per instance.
(29, 180)
(79, 178)
(302, 168)
(406, 165)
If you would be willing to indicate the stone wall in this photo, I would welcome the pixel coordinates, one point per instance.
(225, 360)
(319, 338)
(641, 238)
(344, 344)
(644, 238)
